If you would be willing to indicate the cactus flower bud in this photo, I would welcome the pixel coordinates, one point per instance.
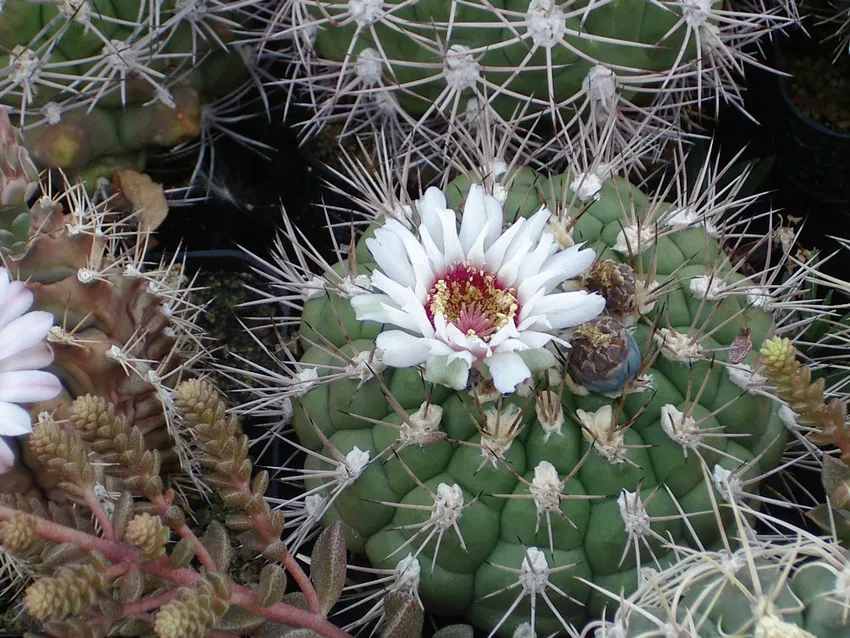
(604, 356)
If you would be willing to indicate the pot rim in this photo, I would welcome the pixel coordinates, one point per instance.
(782, 81)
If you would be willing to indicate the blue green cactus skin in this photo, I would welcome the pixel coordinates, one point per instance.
(495, 529)
(650, 38)
(808, 599)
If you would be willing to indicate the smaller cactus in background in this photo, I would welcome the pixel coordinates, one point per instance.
(97, 86)
(788, 585)
(411, 68)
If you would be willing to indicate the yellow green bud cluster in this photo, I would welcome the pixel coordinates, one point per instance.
(191, 615)
(148, 534)
(74, 589)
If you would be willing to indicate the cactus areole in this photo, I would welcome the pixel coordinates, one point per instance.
(522, 401)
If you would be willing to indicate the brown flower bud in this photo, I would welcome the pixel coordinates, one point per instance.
(603, 355)
(615, 282)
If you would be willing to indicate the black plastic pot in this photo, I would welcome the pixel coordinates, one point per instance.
(814, 158)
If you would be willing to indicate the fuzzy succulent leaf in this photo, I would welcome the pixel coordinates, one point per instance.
(272, 585)
(217, 542)
(122, 513)
(404, 617)
(183, 552)
(131, 586)
(328, 565)
(455, 631)
(240, 622)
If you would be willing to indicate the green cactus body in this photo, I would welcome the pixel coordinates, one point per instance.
(386, 508)
(523, 57)
(109, 79)
(747, 592)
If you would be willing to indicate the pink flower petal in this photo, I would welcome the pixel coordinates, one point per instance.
(14, 420)
(33, 358)
(7, 457)
(28, 386)
(15, 302)
(24, 332)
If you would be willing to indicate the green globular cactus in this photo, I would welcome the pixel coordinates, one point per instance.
(466, 446)
(793, 586)
(88, 79)
(636, 62)
(123, 331)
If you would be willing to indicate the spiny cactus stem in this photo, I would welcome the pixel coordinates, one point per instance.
(123, 556)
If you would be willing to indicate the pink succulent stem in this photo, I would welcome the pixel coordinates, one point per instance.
(161, 505)
(97, 509)
(122, 554)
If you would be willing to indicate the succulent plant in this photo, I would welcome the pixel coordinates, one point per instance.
(369, 61)
(97, 85)
(122, 331)
(124, 576)
(516, 385)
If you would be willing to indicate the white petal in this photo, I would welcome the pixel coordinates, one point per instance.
(475, 254)
(507, 274)
(7, 457)
(530, 231)
(434, 252)
(533, 339)
(495, 255)
(28, 386)
(533, 263)
(418, 259)
(508, 371)
(389, 254)
(371, 307)
(402, 350)
(15, 302)
(452, 249)
(24, 332)
(4, 282)
(14, 420)
(568, 309)
(38, 356)
(534, 286)
(453, 373)
(433, 200)
(569, 263)
(474, 218)
(496, 217)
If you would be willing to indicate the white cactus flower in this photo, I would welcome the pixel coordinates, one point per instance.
(478, 295)
(23, 350)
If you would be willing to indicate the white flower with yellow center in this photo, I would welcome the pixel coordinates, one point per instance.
(478, 296)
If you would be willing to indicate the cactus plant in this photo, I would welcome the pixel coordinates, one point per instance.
(369, 61)
(517, 384)
(122, 331)
(790, 584)
(97, 85)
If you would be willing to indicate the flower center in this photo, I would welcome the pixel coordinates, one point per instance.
(473, 300)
